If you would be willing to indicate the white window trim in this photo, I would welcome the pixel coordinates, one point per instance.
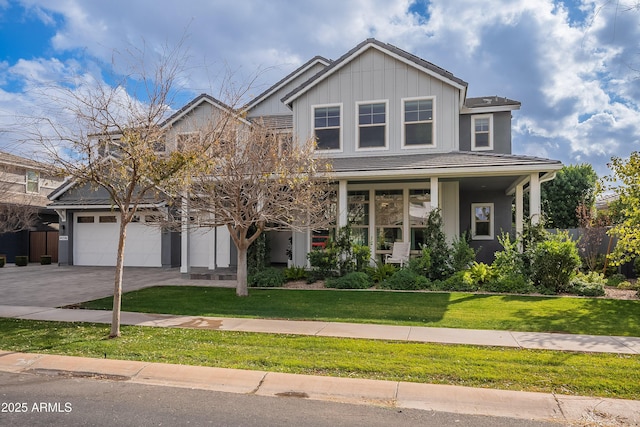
(433, 121)
(386, 125)
(491, 221)
(313, 125)
(473, 132)
(27, 181)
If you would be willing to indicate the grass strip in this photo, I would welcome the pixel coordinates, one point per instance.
(452, 310)
(605, 375)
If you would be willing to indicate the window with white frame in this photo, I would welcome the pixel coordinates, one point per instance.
(33, 181)
(482, 221)
(372, 125)
(326, 126)
(482, 132)
(418, 119)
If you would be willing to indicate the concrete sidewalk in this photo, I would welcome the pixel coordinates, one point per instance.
(528, 340)
(455, 399)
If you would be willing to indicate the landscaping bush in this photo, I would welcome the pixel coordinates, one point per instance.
(353, 280)
(456, 283)
(626, 285)
(478, 274)
(3, 261)
(590, 284)
(615, 279)
(462, 254)
(361, 256)
(295, 273)
(509, 284)
(324, 262)
(436, 245)
(405, 279)
(554, 263)
(22, 260)
(381, 272)
(45, 259)
(267, 278)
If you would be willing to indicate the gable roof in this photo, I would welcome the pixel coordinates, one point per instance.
(23, 162)
(401, 55)
(287, 79)
(197, 101)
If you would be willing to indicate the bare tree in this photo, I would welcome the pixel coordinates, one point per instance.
(114, 141)
(256, 180)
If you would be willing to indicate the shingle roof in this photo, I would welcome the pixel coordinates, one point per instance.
(426, 163)
(490, 101)
(13, 160)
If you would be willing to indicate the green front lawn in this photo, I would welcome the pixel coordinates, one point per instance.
(606, 375)
(452, 310)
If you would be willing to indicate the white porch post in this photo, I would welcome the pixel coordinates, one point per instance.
(534, 198)
(435, 194)
(342, 204)
(184, 249)
(519, 209)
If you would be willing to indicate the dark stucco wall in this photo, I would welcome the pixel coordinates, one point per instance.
(501, 133)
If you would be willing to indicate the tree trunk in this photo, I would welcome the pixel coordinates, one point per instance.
(117, 286)
(241, 287)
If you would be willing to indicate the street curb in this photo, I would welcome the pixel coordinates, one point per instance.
(433, 397)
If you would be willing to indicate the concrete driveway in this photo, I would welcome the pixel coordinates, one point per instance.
(54, 286)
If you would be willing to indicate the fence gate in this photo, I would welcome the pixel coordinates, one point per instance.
(43, 243)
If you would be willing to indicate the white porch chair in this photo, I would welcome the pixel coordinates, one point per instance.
(399, 254)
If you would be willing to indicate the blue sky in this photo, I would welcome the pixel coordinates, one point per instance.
(574, 64)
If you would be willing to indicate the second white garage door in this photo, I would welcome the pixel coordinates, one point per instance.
(95, 241)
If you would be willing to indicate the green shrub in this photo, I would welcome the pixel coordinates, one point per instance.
(267, 278)
(324, 262)
(510, 260)
(456, 283)
(3, 261)
(478, 274)
(353, 280)
(509, 284)
(381, 272)
(22, 260)
(361, 256)
(589, 285)
(405, 279)
(554, 263)
(615, 279)
(45, 260)
(628, 286)
(436, 245)
(462, 254)
(295, 273)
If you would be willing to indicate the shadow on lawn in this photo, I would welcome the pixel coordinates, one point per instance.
(589, 316)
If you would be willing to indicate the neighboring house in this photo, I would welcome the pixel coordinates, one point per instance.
(404, 139)
(26, 226)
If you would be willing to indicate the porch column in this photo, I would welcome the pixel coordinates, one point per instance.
(342, 204)
(519, 209)
(435, 203)
(184, 236)
(534, 198)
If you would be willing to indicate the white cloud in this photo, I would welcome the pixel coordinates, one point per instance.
(574, 69)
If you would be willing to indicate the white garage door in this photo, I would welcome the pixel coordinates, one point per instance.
(95, 241)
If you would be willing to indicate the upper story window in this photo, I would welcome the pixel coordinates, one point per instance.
(33, 182)
(482, 132)
(372, 125)
(326, 126)
(418, 119)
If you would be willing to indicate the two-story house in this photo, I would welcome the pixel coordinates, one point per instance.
(404, 139)
(27, 228)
